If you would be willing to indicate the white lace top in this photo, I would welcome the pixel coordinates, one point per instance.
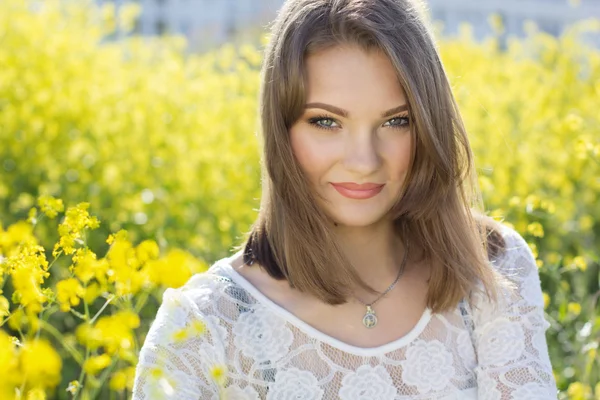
(219, 319)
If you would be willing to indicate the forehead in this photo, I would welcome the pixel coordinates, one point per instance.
(349, 76)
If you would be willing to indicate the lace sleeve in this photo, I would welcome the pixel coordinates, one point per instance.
(180, 349)
(511, 339)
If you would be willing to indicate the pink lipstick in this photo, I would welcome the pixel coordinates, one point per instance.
(356, 191)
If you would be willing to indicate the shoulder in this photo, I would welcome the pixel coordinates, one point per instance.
(205, 292)
(207, 304)
(189, 336)
(521, 286)
(516, 260)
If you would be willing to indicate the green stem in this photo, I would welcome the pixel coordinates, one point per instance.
(78, 314)
(87, 347)
(141, 302)
(60, 338)
(82, 373)
(55, 258)
(103, 377)
(102, 309)
(10, 316)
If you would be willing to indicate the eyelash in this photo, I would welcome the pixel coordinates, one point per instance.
(313, 121)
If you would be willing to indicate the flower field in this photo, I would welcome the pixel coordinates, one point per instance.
(126, 167)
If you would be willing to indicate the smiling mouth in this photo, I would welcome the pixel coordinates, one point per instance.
(365, 192)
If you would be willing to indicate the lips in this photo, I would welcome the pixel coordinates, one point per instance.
(356, 191)
(356, 186)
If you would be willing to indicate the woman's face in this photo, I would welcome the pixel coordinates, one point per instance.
(354, 129)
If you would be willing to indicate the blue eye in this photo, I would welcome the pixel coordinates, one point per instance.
(317, 122)
(403, 122)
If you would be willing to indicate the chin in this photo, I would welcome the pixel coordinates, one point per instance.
(357, 218)
(357, 213)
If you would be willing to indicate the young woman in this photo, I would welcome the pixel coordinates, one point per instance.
(369, 273)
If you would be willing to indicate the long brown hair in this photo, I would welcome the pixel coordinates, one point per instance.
(292, 237)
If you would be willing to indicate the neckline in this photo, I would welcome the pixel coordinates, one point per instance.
(314, 332)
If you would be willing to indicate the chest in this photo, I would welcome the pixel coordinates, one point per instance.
(396, 316)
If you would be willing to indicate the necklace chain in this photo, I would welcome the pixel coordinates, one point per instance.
(400, 272)
(370, 319)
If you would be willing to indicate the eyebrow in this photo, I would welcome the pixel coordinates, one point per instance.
(345, 114)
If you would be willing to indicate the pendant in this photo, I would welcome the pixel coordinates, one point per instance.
(370, 320)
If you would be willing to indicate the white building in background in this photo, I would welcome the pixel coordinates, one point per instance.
(207, 23)
(551, 16)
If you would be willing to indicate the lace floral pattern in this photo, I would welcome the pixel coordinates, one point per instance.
(237, 393)
(368, 383)
(268, 355)
(295, 384)
(534, 391)
(262, 336)
(501, 342)
(464, 346)
(487, 389)
(428, 366)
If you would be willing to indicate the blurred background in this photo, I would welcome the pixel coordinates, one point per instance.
(208, 23)
(129, 161)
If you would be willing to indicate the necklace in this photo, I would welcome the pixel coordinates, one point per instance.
(370, 319)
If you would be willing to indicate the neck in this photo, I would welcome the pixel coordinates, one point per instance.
(376, 252)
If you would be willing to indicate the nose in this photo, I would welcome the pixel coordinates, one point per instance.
(361, 154)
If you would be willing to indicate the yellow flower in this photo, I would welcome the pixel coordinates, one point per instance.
(219, 373)
(121, 235)
(74, 387)
(574, 308)
(32, 216)
(174, 269)
(496, 22)
(156, 373)
(95, 364)
(122, 379)
(580, 263)
(4, 307)
(68, 293)
(534, 249)
(125, 266)
(8, 365)
(546, 299)
(50, 205)
(40, 364)
(86, 266)
(92, 292)
(77, 219)
(28, 270)
(579, 391)
(535, 229)
(180, 335)
(36, 394)
(113, 332)
(19, 233)
(147, 250)
(198, 327)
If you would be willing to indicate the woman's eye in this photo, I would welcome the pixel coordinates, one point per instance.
(400, 122)
(324, 122)
(318, 122)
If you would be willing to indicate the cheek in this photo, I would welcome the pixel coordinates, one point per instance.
(398, 156)
(314, 156)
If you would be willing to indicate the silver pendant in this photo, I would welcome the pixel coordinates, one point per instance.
(370, 319)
